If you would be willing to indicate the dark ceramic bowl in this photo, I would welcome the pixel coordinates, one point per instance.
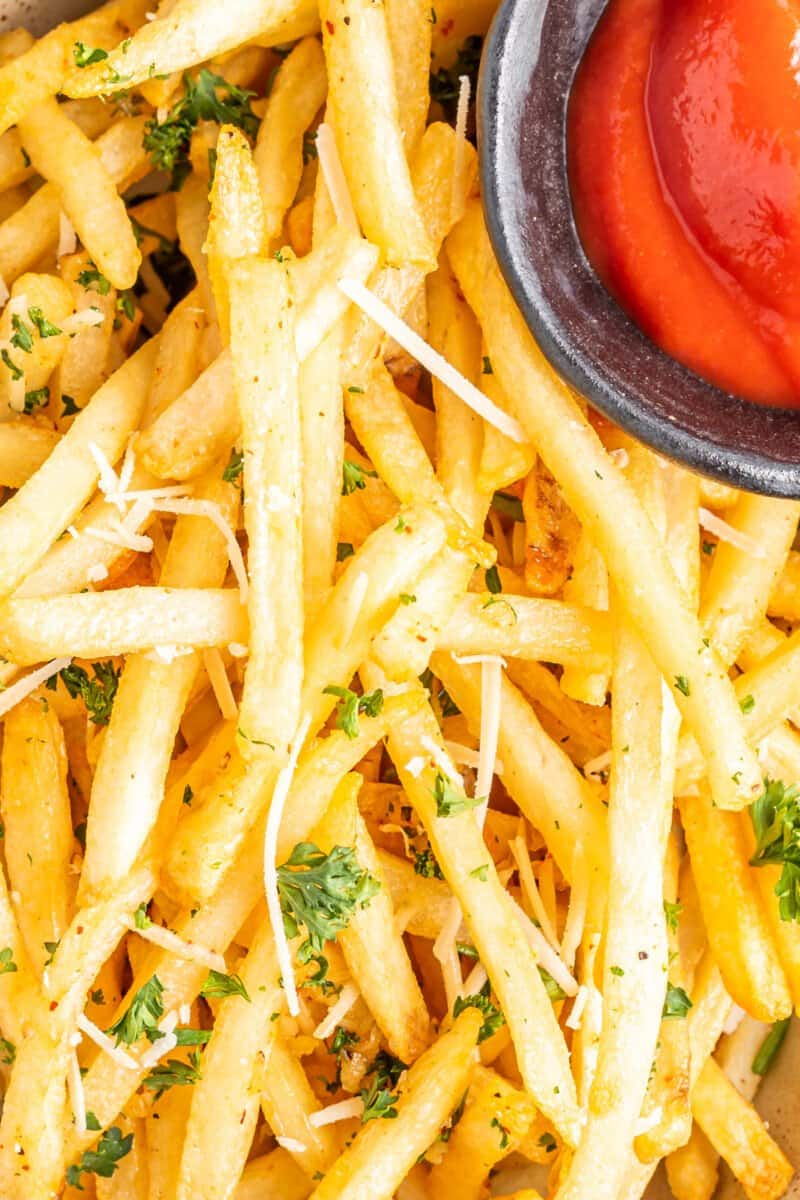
(529, 64)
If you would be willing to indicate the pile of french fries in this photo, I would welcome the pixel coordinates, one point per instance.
(398, 760)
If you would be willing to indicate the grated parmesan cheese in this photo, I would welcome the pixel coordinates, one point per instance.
(220, 684)
(207, 508)
(347, 998)
(441, 760)
(77, 1097)
(118, 535)
(546, 956)
(727, 533)
(575, 1017)
(282, 785)
(438, 366)
(292, 1145)
(106, 1044)
(23, 687)
(87, 318)
(341, 1111)
(733, 1019)
(96, 573)
(519, 851)
(174, 944)
(335, 181)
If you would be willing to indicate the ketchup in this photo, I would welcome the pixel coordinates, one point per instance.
(684, 152)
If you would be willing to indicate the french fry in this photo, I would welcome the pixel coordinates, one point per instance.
(373, 951)
(496, 1116)
(456, 20)
(461, 852)
(265, 378)
(34, 803)
(62, 154)
(43, 507)
(236, 225)
(128, 786)
(785, 598)
(322, 428)
(188, 33)
(40, 72)
(693, 1169)
(551, 534)
(409, 26)
(588, 585)
(34, 1117)
(130, 1180)
(583, 730)
(737, 1133)
(453, 331)
(617, 524)
(742, 944)
(636, 943)
(224, 1103)
(132, 619)
(274, 1176)
(177, 364)
(82, 369)
(423, 904)
(366, 119)
(737, 591)
(384, 1151)
(297, 94)
(287, 1102)
(49, 297)
(23, 449)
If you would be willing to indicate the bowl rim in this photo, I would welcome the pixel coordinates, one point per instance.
(509, 58)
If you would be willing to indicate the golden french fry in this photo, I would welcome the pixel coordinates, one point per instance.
(372, 948)
(189, 32)
(236, 225)
(265, 379)
(274, 1176)
(297, 94)
(34, 803)
(44, 506)
(410, 23)
(365, 115)
(737, 1133)
(384, 1151)
(34, 355)
(693, 1169)
(496, 1116)
(287, 1102)
(82, 369)
(737, 926)
(121, 621)
(177, 365)
(23, 449)
(62, 154)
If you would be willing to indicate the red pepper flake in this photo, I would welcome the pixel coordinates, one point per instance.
(447, 27)
(330, 27)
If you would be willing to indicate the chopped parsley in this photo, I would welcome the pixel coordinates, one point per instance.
(493, 1017)
(142, 1014)
(141, 919)
(676, 1002)
(219, 985)
(493, 583)
(69, 407)
(379, 1097)
(682, 684)
(496, 1123)
(97, 693)
(86, 57)
(445, 83)
(776, 823)
(103, 1160)
(173, 1073)
(22, 337)
(508, 506)
(344, 550)
(8, 1052)
(747, 704)
(16, 372)
(768, 1050)
(7, 964)
(450, 801)
(350, 705)
(425, 864)
(234, 467)
(206, 97)
(46, 329)
(354, 477)
(36, 399)
(672, 913)
(321, 892)
(554, 990)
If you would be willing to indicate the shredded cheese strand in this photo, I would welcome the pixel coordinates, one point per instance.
(169, 941)
(23, 687)
(462, 113)
(341, 1111)
(727, 533)
(220, 684)
(346, 999)
(335, 181)
(106, 1044)
(438, 366)
(77, 1098)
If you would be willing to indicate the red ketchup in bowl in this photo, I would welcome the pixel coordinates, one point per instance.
(684, 150)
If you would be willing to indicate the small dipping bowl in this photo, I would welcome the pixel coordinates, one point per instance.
(529, 63)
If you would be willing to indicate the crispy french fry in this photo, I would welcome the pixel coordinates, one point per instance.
(410, 26)
(737, 1133)
(322, 427)
(224, 1104)
(132, 619)
(588, 585)
(422, 904)
(128, 786)
(462, 855)
(297, 94)
(384, 1151)
(45, 505)
(617, 525)
(287, 1102)
(733, 915)
(34, 802)
(693, 1169)
(496, 1116)
(177, 364)
(373, 950)
(189, 32)
(739, 585)
(82, 369)
(236, 225)
(62, 154)
(46, 296)
(364, 108)
(265, 378)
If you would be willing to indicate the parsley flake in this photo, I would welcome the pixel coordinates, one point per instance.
(350, 705)
(321, 892)
(104, 1159)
